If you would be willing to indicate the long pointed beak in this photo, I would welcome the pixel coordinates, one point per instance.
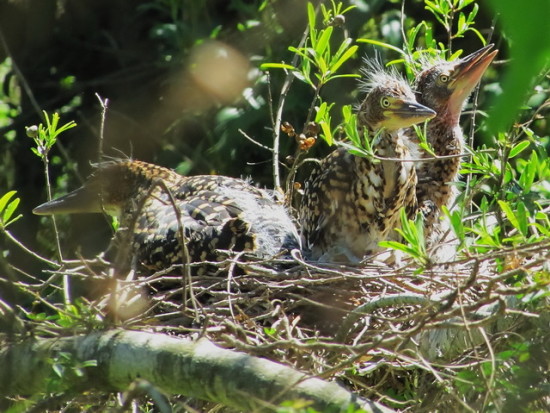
(81, 200)
(405, 113)
(409, 113)
(467, 74)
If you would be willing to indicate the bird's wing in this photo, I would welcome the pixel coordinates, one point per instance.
(324, 195)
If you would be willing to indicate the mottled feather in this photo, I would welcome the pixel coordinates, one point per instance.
(351, 203)
(215, 212)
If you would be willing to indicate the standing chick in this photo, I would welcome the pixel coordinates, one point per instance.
(444, 87)
(351, 203)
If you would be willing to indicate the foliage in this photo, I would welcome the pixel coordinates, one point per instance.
(7, 208)
(530, 54)
(45, 136)
(412, 233)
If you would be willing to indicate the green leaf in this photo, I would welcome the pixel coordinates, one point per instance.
(89, 363)
(350, 52)
(322, 117)
(456, 55)
(321, 112)
(327, 134)
(523, 219)
(322, 65)
(7, 208)
(527, 177)
(529, 54)
(5, 198)
(58, 369)
(350, 125)
(341, 50)
(472, 15)
(519, 148)
(300, 52)
(382, 44)
(350, 75)
(265, 66)
(462, 25)
(465, 3)
(397, 246)
(323, 42)
(413, 33)
(456, 220)
(505, 206)
(439, 14)
(311, 21)
(12, 206)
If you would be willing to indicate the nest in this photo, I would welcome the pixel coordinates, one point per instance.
(374, 327)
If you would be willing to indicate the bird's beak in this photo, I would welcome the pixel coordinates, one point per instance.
(466, 75)
(81, 200)
(406, 113)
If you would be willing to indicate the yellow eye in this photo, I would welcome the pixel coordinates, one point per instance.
(443, 78)
(385, 102)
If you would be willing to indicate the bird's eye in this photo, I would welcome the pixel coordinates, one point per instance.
(443, 78)
(385, 102)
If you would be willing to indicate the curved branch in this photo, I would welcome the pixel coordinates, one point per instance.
(196, 369)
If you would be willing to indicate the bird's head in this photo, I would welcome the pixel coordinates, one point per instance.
(109, 189)
(445, 86)
(390, 102)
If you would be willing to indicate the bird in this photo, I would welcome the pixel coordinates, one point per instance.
(444, 87)
(350, 203)
(216, 213)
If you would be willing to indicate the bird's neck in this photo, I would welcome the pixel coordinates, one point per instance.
(140, 184)
(391, 175)
(390, 145)
(444, 134)
(446, 138)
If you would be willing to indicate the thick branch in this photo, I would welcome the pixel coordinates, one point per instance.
(196, 369)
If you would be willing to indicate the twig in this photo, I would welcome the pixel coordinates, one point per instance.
(104, 106)
(491, 380)
(254, 141)
(432, 158)
(473, 118)
(28, 251)
(186, 273)
(279, 114)
(371, 306)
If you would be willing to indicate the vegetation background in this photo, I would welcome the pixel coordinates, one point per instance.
(182, 77)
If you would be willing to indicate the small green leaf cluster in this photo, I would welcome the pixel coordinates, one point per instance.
(514, 195)
(75, 317)
(319, 64)
(66, 370)
(444, 11)
(45, 136)
(7, 209)
(414, 245)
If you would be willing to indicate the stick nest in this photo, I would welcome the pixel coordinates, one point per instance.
(376, 328)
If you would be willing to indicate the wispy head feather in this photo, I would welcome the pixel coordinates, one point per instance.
(375, 74)
(428, 61)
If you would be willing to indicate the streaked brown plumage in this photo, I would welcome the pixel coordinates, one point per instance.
(351, 203)
(217, 213)
(444, 87)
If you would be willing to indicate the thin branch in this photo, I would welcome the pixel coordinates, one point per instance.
(104, 106)
(267, 148)
(279, 113)
(28, 251)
